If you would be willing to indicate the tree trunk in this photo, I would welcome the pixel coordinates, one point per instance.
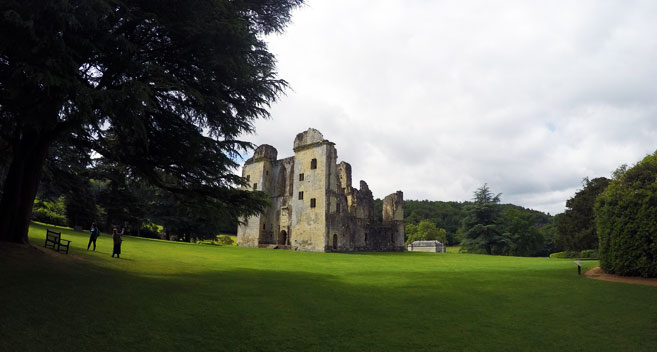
(21, 186)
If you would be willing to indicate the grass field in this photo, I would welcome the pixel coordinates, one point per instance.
(163, 296)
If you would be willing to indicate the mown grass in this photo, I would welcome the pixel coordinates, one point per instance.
(165, 296)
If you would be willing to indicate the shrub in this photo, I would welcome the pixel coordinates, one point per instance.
(588, 253)
(225, 240)
(626, 221)
(565, 254)
(53, 213)
(150, 230)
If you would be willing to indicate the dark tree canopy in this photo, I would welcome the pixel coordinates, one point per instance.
(576, 226)
(626, 221)
(163, 87)
(481, 223)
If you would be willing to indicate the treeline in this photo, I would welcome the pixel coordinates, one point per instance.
(76, 193)
(616, 218)
(513, 230)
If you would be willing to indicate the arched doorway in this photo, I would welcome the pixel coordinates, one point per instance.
(282, 237)
(335, 242)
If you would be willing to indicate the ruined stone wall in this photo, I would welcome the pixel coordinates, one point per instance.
(393, 207)
(393, 216)
(330, 216)
(248, 232)
(259, 170)
(344, 175)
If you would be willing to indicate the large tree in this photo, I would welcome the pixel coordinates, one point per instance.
(481, 223)
(164, 87)
(626, 221)
(576, 226)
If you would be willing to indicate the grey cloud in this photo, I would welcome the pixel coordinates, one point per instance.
(436, 98)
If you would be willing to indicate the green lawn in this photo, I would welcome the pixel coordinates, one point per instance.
(164, 296)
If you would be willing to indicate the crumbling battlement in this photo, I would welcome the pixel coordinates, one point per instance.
(314, 206)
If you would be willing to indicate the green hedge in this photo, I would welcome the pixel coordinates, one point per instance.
(585, 254)
(566, 254)
(626, 221)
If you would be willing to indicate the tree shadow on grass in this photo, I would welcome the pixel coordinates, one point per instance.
(104, 309)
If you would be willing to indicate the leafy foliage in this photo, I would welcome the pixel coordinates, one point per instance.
(225, 240)
(426, 230)
(164, 88)
(626, 221)
(526, 232)
(50, 212)
(576, 226)
(521, 235)
(446, 215)
(481, 223)
(565, 254)
(585, 254)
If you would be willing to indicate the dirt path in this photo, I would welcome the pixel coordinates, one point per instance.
(598, 274)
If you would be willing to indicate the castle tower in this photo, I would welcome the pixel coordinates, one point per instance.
(257, 170)
(314, 206)
(314, 176)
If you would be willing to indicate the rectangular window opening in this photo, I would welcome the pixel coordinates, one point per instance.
(300, 195)
(300, 177)
(313, 202)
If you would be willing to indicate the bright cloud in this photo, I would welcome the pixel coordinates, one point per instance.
(438, 97)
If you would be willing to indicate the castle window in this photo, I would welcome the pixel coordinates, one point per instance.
(313, 164)
(300, 177)
(248, 178)
(337, 207)
(264, 226)
(255, 186)
(300, 195)
(313, 202)
(267, 173)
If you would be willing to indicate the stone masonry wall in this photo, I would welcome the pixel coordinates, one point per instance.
(331, 215)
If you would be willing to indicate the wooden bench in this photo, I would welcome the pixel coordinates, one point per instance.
(54, 240)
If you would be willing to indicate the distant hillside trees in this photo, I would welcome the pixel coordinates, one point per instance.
(521, 235)
(426, 230)
(576, 226)
(626, 221)
(524, 232)
(446, 215)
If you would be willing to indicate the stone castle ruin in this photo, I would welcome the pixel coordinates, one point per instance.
(313, 204)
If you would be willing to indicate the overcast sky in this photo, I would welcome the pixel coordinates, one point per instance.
(436, 98)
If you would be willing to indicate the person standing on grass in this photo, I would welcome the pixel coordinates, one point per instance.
(116, 236)
(93, 236)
